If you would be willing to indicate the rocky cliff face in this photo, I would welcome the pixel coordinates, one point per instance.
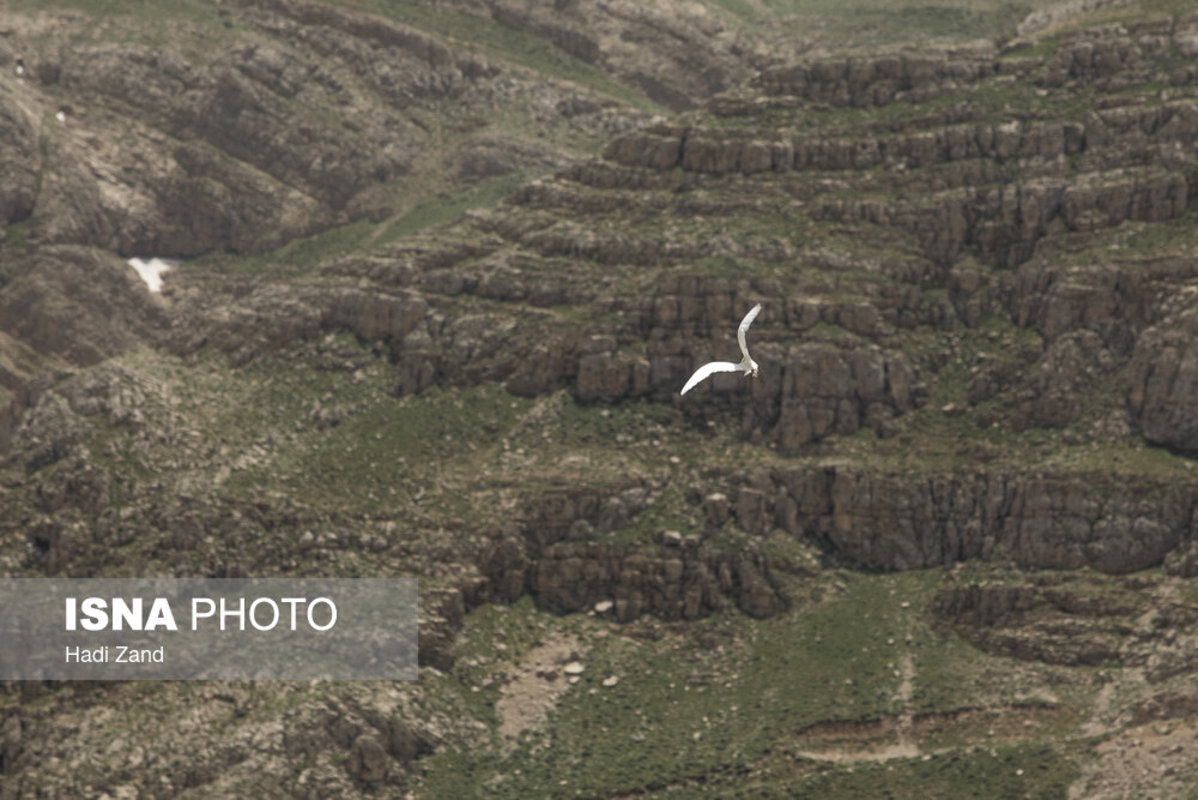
(1064, 621)
(962, 217)
(1031, 521)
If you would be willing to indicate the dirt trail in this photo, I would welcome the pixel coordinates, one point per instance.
(534, 686)
(906, 724)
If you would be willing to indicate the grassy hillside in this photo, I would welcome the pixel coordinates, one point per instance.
(434, 323)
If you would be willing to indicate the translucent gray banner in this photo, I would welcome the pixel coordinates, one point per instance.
(208, 629)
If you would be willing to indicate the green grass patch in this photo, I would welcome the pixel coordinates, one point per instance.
(1187, 590)
(294, 258)
(13, 251)
(711, 702)
(746, 13)
(446, 208)
(1164, 238)
(713, 710)
(498, 41)
(386, 450)
(583, 423)
(141, 9)
(1013, 772)
(14, 238)
(729, 266)
(862, 23)
(1039, 50)
(990, 100)
(143, 22)
(952, 20)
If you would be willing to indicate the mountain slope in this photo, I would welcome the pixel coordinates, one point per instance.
(942, 546)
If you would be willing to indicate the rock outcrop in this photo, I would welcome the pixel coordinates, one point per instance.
(898, 522)
(553, 558)
(1071, 621)
(672, 584)
(1164, 381)
(79, 306)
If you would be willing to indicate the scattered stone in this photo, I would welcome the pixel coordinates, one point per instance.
(717, 508)
(368, 758)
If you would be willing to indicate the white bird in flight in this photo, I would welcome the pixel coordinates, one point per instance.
(747, 365)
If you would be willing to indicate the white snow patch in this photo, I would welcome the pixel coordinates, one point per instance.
(151, 269)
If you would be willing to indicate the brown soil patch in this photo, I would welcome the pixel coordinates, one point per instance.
(905, 735)
(533, 686)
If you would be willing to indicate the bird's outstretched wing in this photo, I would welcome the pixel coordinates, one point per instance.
(744, 326)
(707, 369)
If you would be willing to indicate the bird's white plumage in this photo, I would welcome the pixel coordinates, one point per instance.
(744, 327)
(747, 365)
(709, 369)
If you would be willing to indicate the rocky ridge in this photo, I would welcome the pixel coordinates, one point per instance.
(976, 269)
(836, 353)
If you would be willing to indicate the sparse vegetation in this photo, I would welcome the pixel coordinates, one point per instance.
(488, 402)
